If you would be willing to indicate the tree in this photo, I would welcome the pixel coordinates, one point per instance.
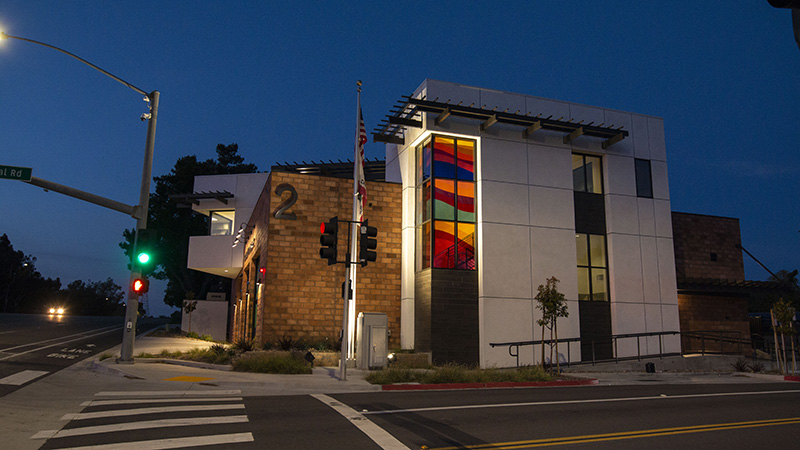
(22, 288)
(100, 298)
(553, 305)
(189, 306)
(174, 225)
(784, 316)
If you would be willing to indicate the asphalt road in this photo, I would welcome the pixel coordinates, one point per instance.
(35, 346)
(597, 417)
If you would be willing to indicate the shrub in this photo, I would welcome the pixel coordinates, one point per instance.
(757, 367)
(453, 373)
(243, 345)
(286, 343)
(192, 335)
(272, 362)
(207, 337)
(740, 365)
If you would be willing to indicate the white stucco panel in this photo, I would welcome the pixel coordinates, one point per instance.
(503, 161)
(620, 176)
(650, 276)
(552, 251)
(551, 207)
(622, 214)
(504, 261)
(505, 320)
(504, 202)
(639, 136)
(625, 268)
(549, 166)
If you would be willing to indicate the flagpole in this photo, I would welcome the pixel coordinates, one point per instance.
(349, 307)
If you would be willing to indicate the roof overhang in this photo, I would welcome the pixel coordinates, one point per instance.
(406, 113)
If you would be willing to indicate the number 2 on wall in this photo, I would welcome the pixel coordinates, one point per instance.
(281, 213)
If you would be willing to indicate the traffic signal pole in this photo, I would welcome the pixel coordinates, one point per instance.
(132, 306)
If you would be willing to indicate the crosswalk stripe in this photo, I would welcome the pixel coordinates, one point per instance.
(168, 393)
(143, 425)
(154, 410)
(163, 444)
(158, 400)
(20, 378)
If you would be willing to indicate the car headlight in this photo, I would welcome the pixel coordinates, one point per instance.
(52, 310)
(60, 311)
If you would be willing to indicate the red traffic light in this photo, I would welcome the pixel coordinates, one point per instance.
(141, 285)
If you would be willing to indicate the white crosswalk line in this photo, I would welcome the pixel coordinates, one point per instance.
(158, 400)
(154, 410)
(163, 444)
(20, 378)
(143, 425)
(168, 393)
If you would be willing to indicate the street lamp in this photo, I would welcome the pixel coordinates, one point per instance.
(141, 210)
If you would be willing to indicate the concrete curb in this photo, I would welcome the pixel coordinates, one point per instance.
(791, 378)
(494, 385)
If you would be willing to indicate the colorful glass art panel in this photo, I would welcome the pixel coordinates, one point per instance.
(466, 201)
(444, 158)
(466, 160)
(444, 248)
(444, 199)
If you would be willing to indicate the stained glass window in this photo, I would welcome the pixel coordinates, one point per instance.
(446, 203)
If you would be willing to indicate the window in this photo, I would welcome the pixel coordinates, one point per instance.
(592, 267)
(445, 216)
(222, 223)
(644, 180)
(587, 174)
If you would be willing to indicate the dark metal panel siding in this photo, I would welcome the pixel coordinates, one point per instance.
(454, 333)
(590, 213)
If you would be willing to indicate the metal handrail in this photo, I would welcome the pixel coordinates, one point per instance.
(711, 335)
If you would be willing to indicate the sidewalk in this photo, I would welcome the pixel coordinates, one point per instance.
(672, 370)
(172, 372)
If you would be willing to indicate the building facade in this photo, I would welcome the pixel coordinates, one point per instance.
(483, 196)
(502, 191)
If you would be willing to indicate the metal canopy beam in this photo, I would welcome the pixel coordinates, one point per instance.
(393, 131)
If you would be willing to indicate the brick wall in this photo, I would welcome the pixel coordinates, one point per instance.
(705, 247)
(706, 312)
(301, 294)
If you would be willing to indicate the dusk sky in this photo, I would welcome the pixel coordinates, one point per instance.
(279, 79)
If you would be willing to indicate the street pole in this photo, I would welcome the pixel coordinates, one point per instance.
(141, 210)
(132, 306)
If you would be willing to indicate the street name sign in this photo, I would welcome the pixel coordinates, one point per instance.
(16, 173)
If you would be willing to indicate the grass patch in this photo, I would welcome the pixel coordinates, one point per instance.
(452, 373)
(105, 356)
(272, 362)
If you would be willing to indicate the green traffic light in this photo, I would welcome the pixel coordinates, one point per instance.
(143, 258)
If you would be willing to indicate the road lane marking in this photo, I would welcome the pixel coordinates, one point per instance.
(378, 435)
(57, 343)
(168, 393)
(20, 378)
(157, 400)
(572, 402)
(153, 410)
(571, 440)
(142, 425)
(110, 327)
(160, 444)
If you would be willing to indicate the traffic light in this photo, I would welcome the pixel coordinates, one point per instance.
(366, 244)
(329, 239)
(141, 286)
(145, 243)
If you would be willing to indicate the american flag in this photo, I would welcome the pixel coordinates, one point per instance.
(361, 139)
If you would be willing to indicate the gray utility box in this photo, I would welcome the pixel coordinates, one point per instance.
(372, 344)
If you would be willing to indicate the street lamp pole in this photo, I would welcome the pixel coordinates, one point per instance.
(141, 210)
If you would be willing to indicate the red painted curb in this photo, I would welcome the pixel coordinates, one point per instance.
(791, 378)
(503, 384)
